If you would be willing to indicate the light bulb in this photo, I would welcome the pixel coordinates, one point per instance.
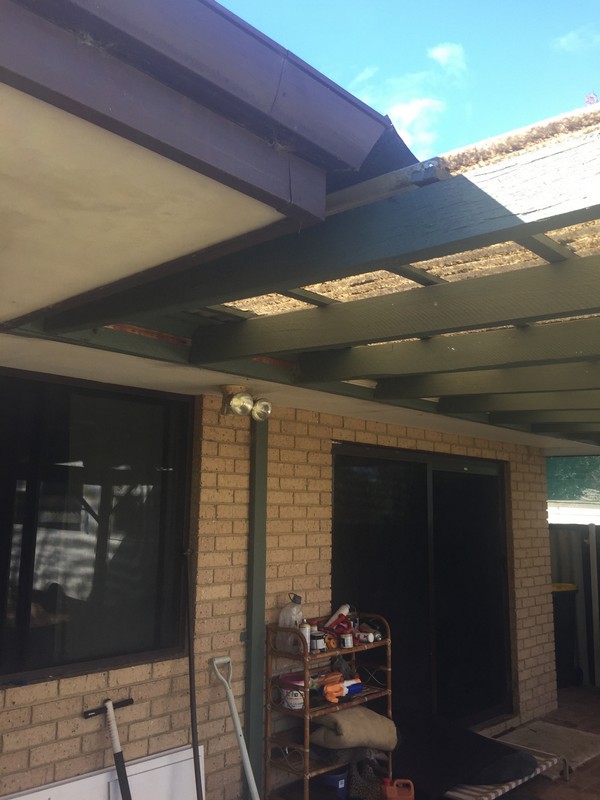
(261, 410)
(241, 403)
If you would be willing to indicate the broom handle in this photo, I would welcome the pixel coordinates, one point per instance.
(117, 751)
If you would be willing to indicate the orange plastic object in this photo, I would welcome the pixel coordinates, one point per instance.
(399, 789)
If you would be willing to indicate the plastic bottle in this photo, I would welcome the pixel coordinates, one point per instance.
(290, 616)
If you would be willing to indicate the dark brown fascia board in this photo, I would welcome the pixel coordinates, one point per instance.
(216, 59)
(54, 65)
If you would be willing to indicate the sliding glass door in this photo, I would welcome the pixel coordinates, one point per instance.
(421, 539)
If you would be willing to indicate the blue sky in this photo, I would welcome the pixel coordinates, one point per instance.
(447, 73)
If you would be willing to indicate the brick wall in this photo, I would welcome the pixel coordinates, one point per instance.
(43, 736)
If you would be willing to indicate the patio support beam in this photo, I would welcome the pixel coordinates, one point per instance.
(571, 428)
(545, 247)
(571, 288)
(451, 216)
(549, 417)
(526, 401)
(576, 340)
(546, 378)
(255, 611)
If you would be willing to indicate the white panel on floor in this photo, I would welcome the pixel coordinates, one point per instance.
(161, 777)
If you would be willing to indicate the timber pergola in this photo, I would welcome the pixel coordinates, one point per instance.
(466, 289)
(517, 348)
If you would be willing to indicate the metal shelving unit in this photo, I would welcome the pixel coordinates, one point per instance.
(288, 750)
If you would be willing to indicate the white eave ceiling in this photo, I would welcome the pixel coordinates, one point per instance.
(81, 207)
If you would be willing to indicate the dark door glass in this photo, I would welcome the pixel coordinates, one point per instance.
(425, 547)
(471, 621)
(381, 559)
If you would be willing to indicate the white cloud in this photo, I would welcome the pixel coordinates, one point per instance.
(415, 121)
(585, 38)
(364, 76)
(416, 101)
(450, 56)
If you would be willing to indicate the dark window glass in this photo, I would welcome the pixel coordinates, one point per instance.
(92, 493)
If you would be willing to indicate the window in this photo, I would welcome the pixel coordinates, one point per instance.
(92, 500)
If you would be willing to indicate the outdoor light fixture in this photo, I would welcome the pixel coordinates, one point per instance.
(237, 400)
(261, 410)
(240, 403)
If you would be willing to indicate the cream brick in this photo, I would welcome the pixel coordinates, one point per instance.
(129, 675)
(148, 728)
(137, 749)
(26, 695)
(28, 737)
(26, 779)
(167, 741)
(70, 707)
(15, 718)
(167, 705)
(78, 726)
(14, 762)
(78, 766)
(57, 751)
(82, 684)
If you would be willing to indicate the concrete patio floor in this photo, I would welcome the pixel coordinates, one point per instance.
(578, 708)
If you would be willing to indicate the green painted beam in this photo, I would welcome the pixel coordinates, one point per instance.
(558, 377)
(568, 289)
(545, 417)
(545, 247)
(420, 276)
(536, 401)
(567, 428)
(575, 340)
(308, 297)
(255, 613)
(467, 211)
(116, 342)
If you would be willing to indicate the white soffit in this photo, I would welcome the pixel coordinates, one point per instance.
(75, 361)
(81, 207)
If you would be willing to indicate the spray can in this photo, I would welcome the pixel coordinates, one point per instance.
(365, 628)
(305, 631)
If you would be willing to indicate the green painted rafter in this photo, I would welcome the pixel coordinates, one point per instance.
(567, 289)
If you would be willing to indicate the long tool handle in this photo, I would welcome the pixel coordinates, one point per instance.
(93, 712)
(226, 681)
(117, 751)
